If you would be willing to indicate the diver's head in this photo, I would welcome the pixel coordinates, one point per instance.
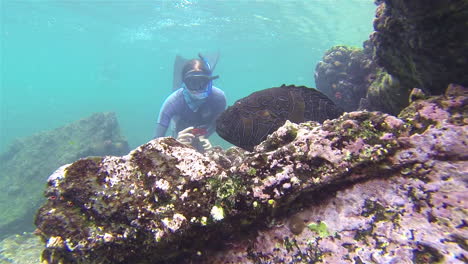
(197, 78)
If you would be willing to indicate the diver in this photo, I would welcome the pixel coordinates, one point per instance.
(192, 109)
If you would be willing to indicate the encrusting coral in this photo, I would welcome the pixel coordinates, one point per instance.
(367, 186)
(344, 75)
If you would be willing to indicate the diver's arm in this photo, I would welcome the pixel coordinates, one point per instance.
(168, 109)
(160, 130)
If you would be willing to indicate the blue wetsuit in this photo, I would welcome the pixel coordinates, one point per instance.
(176, 108)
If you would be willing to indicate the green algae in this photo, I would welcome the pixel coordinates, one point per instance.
(252, 172)
(379, 212)
(362, 234)
(386, 93)
(320, 228)
(281, 139)
(226, 190)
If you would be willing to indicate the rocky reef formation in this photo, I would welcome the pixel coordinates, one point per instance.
(416, 44)
(352, 79)
(386, 93)
(423, 43)
(365, 187)
(413, 210)
(27, 162)
(21, 249)
(344, 75)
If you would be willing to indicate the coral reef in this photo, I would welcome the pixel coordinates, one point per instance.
(365, 187)
(352, 79)
(423, 43)
(344, 75)
(26, 164)
(416, 44)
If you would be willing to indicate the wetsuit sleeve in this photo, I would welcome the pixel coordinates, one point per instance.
(218, 107)
(168, 109)
(160, 130)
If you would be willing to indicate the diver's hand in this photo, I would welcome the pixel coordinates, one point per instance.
(185, 136)
(205, 143)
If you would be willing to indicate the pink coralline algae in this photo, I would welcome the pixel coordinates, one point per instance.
(414, 214)
(432, 112)
(366, 187)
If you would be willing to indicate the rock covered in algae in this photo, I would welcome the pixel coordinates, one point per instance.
(429, 54)
(386, 93)
(26, 164)
(413, 211)
(344, 73)
(423, 43)
(366, 186)
(352, 79)
(21, 249)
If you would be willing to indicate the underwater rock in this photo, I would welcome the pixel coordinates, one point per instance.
(416, 44)
(352, 79)
(251, 119)
(368, 187)
(386, 93)
(21, 249)
(344, 75)
(423, 43)
(27, 162)
(413, 210)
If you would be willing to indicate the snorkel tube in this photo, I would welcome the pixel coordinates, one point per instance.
(211, 69)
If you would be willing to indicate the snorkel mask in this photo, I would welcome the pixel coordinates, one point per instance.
(199, 84)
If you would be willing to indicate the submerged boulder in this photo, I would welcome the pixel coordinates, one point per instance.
(365, 187)
(344, 73)
(416, 44)
(25, 165)
(423, 43)
(413, 210)
(352, 79)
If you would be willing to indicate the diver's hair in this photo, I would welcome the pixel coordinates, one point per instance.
(195, 65)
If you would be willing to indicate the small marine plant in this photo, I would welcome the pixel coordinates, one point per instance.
(319, 228)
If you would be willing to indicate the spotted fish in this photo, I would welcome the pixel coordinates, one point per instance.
(251, 119)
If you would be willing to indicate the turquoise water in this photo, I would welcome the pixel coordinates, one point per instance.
(64, 60)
